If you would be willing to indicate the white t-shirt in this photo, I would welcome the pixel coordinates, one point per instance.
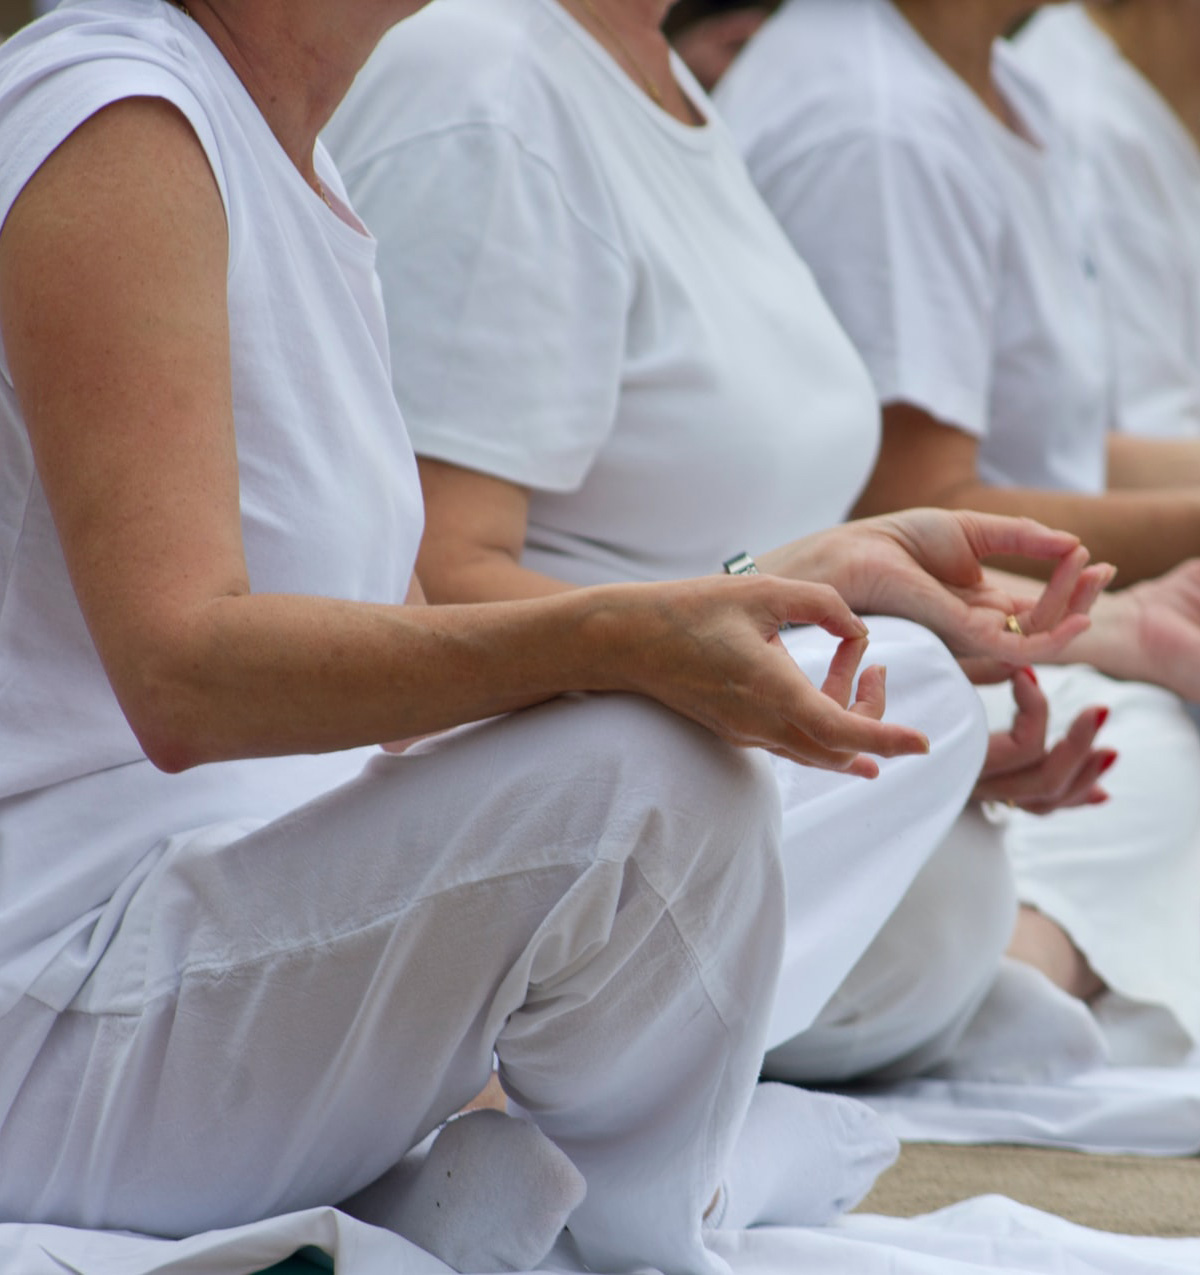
(950, 248)
(329, 494)
(1141, 172)
(587, 298)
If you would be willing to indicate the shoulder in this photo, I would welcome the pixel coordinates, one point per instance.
(94, 39)
(502, 65)
(476, 101)
(825, 77)
(58, 72)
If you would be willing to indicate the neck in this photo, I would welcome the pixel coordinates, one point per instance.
(1162, 39)
(296, 58)
(962, 33)
(631, 32)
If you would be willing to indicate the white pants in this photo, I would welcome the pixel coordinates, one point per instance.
(1123, 879)
(904, 1007)
(591, 888)
(898, 901)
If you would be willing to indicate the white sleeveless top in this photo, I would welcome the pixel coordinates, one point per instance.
(330, 499)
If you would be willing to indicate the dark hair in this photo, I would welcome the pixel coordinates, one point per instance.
(686, 12)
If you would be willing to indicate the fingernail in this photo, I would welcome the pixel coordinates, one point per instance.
(1029, 673)
(1108, 763)
(1101, 717)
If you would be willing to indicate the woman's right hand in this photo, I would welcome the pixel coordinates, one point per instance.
(710, 650)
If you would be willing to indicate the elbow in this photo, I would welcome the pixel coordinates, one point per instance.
(167, 714)
(170, 755)
(168, 746)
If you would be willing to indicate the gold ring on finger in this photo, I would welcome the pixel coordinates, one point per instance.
(1013, 625)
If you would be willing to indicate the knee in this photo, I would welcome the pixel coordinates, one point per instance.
(701, 825)
(927, 688)
(905, 1004)
(669, 772)
(946, 941)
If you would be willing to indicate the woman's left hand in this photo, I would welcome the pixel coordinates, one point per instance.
(1021, 771)
(925, 565)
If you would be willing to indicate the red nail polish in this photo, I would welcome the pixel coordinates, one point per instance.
(1101, 717)
(1029, 673)
(1110, 760)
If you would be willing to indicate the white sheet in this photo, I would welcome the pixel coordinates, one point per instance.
(987, 1234)
(1111, 1110)
(1032, 1070)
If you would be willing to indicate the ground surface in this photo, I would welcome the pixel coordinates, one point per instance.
(1132, 1195)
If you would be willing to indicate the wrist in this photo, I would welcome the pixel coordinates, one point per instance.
(608, 633)
(814, 559)
(1111, 642)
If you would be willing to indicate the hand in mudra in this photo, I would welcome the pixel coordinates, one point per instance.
(926, 565)
(1021, 770)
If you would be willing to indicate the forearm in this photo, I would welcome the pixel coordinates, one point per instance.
(1143, 534)
(263, 675)
(452, 574)
(1136, 463)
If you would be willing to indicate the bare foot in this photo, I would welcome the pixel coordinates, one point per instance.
(491, 1099)
(1042, 943)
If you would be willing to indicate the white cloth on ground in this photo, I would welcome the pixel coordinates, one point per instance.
(633, 339)
(1152, 1111)
(1139, 168)
(953, 253)
(1032, 1069)
(987, 1234)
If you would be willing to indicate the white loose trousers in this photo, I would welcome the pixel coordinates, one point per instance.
(890, 885)
(1123, 879)
(591, 888)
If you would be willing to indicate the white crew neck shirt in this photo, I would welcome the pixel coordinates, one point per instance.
(330, 499)
(949, 246)
(588, 299)
(1140, 170)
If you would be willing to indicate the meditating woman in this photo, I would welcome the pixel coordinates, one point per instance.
(1122, 76)
(247, 959)
(616, 368)
(921, 174)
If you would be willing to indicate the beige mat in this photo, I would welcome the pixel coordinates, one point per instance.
(1133, 1195)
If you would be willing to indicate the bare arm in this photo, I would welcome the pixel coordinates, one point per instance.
(923, 462)
(116, 253)
(475, 528)
(1136, 463)
(923, 565)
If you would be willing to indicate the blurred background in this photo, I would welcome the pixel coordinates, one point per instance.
(14, 14)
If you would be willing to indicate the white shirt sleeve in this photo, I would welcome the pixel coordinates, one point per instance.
(506, 304)
(906, 247)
